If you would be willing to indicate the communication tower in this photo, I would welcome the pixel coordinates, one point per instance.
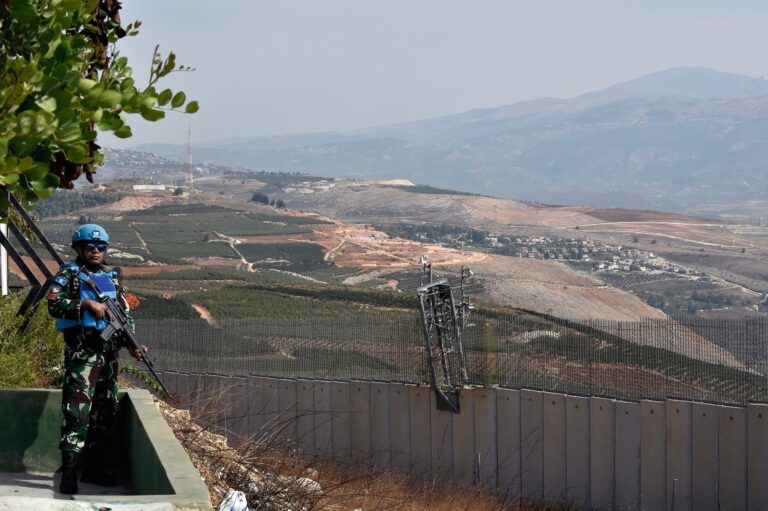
(444, 320)
(189, 159)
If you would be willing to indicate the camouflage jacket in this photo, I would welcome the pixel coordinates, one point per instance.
(64, 294)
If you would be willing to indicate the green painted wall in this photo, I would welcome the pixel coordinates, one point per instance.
(29, 436)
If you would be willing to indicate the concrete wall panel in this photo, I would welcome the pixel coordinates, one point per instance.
(733, 457)
(238, 419)
(627, 455)
(400, 427)
(169, 380)
(341, 423)
(485, 435)
(577, 442)
(464, 452)
(255, 386)
(305, 422)
(215, 404)
(704, 462)
(554, 448)
(195, 394)
(286, 393)
(421, 449)
(602, 456)
(441, 434)
(380, 438)
(271, 397)
(588, 452)
(182, 389)
(679, 455)
(360, 421)
(653, 455)
(322, 417)
(532, 453)
(757, 456)
(508, 442)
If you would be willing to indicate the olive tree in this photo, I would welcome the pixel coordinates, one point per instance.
(62, 80)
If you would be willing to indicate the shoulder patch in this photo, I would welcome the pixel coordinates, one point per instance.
(60, 280)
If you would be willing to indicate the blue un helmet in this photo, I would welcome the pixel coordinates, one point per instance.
(90, 232)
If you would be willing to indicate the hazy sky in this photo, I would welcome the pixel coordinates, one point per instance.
(287, 66)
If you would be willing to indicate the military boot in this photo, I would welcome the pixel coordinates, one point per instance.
(99, 473)
(98, 465)
(68, 483)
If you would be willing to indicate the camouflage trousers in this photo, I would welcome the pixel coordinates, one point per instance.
(89, 394)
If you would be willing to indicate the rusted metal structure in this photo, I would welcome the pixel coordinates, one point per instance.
(444, 318)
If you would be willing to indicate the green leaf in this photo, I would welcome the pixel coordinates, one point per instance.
(124, 132)
(95, 93)
(23, 13)
(192, 107)
(71, 5)
(25, 164)
(164, 97)
(178, 99)
(85, 84)
(3, 148)
(24, 145)
(77, 153)
(109, 98)
(127, 84)
(151, 114)
(47, 105)
(37, 172)
(68, 133)
(148, 101)
(9, 179)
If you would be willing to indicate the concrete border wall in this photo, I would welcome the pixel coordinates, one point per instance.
(593, 453)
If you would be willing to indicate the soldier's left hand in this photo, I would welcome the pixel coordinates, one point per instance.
(137, 354)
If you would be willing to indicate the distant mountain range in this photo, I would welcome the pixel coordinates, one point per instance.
(675, 140)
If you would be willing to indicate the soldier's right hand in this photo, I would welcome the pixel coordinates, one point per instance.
(98, 309)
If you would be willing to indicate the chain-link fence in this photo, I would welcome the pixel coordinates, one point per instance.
(720, 360)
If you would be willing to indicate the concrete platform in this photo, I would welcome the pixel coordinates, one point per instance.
(46, 485)
(158, 475)
(39, 492)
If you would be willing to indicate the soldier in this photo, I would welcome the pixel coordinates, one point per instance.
(89, 396)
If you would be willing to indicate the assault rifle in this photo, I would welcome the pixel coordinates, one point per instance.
(118, 324)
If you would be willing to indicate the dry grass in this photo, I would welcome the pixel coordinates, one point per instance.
(388, 491)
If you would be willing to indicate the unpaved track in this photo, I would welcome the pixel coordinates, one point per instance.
(206, 315)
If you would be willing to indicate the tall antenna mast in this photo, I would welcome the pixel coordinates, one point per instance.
(189, 158)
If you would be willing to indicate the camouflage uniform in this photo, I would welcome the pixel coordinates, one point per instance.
(91, 365)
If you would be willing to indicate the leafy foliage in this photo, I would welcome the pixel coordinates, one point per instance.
(61, 80)
(261, 198)
(162, 210)
(294, 252)
(33, 359)
(66, 201)
(173, 251)
(284, 301)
